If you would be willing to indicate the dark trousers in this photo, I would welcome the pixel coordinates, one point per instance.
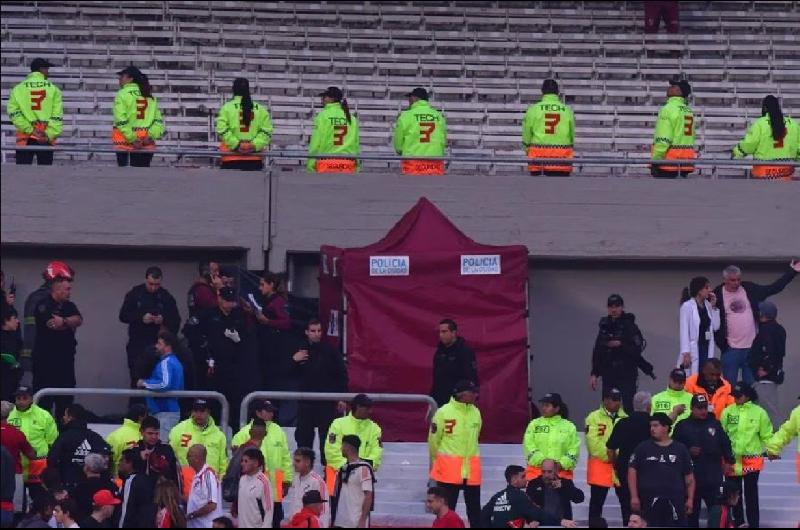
(243, 165)
(655, 12)
(472, 498)
(749, 500)
(704, 493)
(310, 416)
(626, 385)
(624, 496)
(663, 512)
(598, 500)
(43, 158)
(134, 159)
(277, 512)
(550, 173)
(659, 173)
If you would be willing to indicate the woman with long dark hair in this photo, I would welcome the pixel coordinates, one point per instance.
(699, 319)
(244, 128)
(551, 437)
(335, 133)
(168, 505)
(137, 119)
(772, 137)
(273, 326)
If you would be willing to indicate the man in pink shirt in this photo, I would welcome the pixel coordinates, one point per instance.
(739, 317)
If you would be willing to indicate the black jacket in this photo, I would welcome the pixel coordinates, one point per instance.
(628, 433)
(85, 490)
(755, 294)
(714, 446)
(235, 363)
(69, 451)
(452, 364)
(325, 370)
(568, 494)
(511, 508)
(137, 502)
(142, 468)
(139, 302)
(768, 351)
(624, 361)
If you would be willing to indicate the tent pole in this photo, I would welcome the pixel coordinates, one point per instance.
(344, 325)
(528, 334)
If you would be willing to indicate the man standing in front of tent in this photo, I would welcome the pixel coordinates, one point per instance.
(421, 130)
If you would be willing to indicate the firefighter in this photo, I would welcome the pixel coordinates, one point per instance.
(335, 133)
(454, 450)
(357, 423)
(772, 137)
(552, 437)
(244, 128)
(674, 134)
(53, 270)
(137, 119)
(35, 109)
(549, 132)
(790, 429)
(600, 472)
(421, 130)
(675, 401)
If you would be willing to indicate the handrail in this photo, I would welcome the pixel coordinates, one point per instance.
(334, 396)
(514, 160)
(127, 392)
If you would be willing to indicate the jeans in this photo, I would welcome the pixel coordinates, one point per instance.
(168, 420)
(732, 360)
(6, 519)
(472, 498)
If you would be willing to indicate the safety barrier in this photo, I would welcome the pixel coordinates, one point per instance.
(126, 392)
(323, 396)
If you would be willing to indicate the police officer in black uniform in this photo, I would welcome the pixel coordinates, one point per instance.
(56, 319)
(453, 361)
(148, 308)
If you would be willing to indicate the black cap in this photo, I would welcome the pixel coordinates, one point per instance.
(227, 271)
(661, 418)
(333, 93)
(612, 393)
(615, 300)
(23, 390)
(549, 86)
(200, 404)
(265, 404)
(552, 398)
(699, 401)
(678, 374)
(743, 389)
(39, 63)
(228, 294)
(362, 400)
(465, 386)
(684, 85)
(419, 92)
(131, 71)
(312, 497)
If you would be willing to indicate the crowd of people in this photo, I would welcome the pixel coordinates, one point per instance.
(245, 129)
(701, 440)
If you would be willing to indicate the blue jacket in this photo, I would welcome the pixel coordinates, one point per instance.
(167, 375)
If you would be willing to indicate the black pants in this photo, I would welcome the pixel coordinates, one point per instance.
(659, 173)
(551, 173)
(243, 165)
(624, 496)
(749, 500)
(664, 513)
(598, 499)
(134, 159)
(43, 158)
(626, 385)
(704, 493)
(472, 498)
(310, 416)
(277, 512)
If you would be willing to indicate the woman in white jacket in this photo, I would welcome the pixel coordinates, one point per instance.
(699, 319)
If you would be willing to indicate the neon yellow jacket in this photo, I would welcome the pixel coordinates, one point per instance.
(421, 130)
(38, 426)
(187, 433)
(455, 431)
(132, 111)
(36, 100)
(552, 438)
(125, 437)
(548, 122)
(674, 128)
(599, 426)
(749, 428)
(275, 449)
(332, 134)
(232, 130)
(790, 429)
(367, 431)
(667, 400)
(759, 142)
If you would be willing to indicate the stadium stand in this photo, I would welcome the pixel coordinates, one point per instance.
(482, 62)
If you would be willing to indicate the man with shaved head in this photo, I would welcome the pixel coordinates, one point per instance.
(205, 498)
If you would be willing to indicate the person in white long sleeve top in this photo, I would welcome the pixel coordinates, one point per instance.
(254, 505)
(699, 319)
(305, 480)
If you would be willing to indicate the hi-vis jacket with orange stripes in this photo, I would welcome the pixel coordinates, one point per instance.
(551, 438)
(599, 425)
(135, 116)
(453, 444)
(35, 103)
(749, 428)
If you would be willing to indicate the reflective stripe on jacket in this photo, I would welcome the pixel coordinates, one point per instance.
(453, 443)
(749, 428)
(551, 439)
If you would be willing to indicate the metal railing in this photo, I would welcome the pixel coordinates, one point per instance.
(329, 396)
(225, 411)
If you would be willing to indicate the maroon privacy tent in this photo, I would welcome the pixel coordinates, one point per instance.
(384, 302)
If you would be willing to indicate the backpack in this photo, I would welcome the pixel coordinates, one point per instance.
(230, 482)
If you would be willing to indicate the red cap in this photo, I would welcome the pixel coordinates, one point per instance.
(105, 498)
(58, 269)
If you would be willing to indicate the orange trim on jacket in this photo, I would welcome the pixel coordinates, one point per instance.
(121, 144)
(550, 151)
(447, 469)
(719, 401)
(532, 473)
(335, 166)
(422, 167)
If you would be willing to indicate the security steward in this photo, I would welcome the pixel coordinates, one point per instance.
(147, 309)
(675, 401)
(244, 128)
(453, 361)
(551, 437)
(674, 134)
(335, 133)
(548, 131)
(771, 137)
(36, 110)
(454, 450)
(600, 472)
(357, 423)
(137, 119)
(421, 130)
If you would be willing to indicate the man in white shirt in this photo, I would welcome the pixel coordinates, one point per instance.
(254, 506)
(305, 480)
(205, 498)
(354, 490)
